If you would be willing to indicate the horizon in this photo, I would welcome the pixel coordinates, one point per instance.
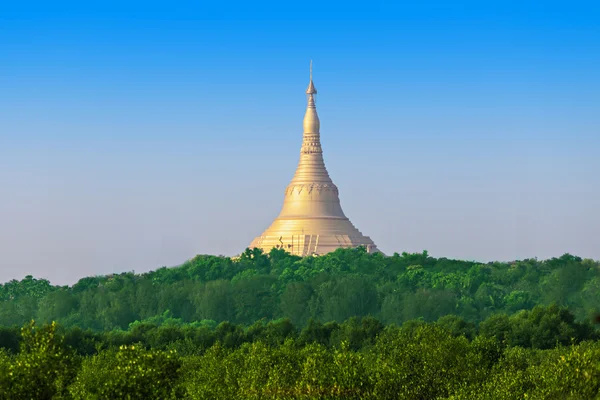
(136, 136)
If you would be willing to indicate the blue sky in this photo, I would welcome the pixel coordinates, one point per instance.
(137, 135)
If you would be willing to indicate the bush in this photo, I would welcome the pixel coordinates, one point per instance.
(131, 372)
(43, 368)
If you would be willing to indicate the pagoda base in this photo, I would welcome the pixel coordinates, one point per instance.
(302, 242)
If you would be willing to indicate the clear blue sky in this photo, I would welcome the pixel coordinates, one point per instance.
(135, 136)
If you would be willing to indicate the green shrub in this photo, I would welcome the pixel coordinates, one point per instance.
(130, 372)
(43, 368)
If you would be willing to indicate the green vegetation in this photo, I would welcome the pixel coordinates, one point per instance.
(340, 285)
(358, 359)
(346, 325)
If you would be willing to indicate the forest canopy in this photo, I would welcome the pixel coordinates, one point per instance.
(358, 359)
(348, 325)
(334, 287)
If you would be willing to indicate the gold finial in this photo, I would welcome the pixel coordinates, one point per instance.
(311, 87)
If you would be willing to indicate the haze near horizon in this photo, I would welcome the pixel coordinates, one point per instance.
(136, 136)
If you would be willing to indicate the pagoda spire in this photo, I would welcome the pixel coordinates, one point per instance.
(311, 167)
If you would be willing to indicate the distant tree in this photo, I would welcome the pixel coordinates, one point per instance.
(215, 301)
(294, 301)
(347, 297)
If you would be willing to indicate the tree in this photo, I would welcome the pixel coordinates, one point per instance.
(44, 367)
(293, 302)
(347, 297)
(214, 301)
(131, 372)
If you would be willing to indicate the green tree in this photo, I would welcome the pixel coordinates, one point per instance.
(294, 300)
(347, 297)
(215, 301)
(43, 368)
(131, 372)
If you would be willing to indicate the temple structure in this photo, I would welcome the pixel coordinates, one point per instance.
(311, 221)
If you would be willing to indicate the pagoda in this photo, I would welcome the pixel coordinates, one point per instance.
(311, 221)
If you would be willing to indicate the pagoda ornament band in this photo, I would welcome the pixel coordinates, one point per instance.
(311, 221)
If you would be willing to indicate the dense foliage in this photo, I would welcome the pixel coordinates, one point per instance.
(334, 287)
(358, 359)
(346, 325)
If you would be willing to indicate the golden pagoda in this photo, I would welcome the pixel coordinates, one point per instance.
(311, 221)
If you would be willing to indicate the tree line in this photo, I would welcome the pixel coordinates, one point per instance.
(346, 325)
(334, 287)
(540, 328)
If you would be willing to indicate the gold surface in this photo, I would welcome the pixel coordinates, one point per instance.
(311, 220)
